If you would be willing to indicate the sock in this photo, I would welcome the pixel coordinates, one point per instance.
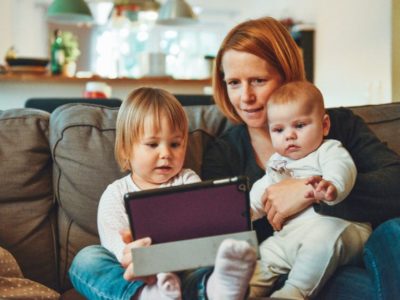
(234, 266)
(168, 287)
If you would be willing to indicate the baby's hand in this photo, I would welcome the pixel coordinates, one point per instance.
(127, 262)
(321, 189)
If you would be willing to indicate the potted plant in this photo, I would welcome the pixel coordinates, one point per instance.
(71, 52)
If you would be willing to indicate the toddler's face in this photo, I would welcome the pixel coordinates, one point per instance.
(158, 155)
(295, 131)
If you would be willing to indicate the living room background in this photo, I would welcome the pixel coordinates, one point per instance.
(353, 61)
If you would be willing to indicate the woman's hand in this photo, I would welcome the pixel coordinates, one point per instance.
(127, 262)
(285, 199)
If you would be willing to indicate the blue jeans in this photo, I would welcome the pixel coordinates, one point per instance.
(381, 277)
(97, 275)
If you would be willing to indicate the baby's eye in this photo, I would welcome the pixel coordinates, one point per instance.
(300, 125)
(277, 130)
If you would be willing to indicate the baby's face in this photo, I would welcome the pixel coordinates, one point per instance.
(158, 155)
(295, 130)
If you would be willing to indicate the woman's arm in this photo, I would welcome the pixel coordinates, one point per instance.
(376, 194)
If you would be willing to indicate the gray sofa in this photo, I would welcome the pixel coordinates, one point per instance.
(53, 169)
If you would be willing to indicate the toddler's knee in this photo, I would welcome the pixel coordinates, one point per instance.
(88, 256)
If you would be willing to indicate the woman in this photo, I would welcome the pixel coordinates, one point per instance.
(255, 58)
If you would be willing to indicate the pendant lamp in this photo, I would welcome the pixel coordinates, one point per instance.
(176, 12)
(131, 8)
(69, 12)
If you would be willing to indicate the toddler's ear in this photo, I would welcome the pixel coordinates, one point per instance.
(326, 124)
(126, 159)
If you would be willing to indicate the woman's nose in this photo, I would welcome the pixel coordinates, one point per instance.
(247, 93)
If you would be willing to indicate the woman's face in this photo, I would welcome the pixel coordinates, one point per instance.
(250, 81)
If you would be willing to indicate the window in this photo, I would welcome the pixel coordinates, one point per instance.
(122, 48)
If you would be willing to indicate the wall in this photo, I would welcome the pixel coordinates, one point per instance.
(352, 47)
(352, 44)
(353, 51)
(21, 26)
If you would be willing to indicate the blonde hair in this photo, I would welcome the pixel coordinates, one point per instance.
(141, 103)
(266, 38)
(295, 91)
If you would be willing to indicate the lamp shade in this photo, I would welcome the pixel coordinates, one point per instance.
(176, 12)
(69, 11)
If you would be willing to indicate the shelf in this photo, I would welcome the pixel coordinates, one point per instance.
(61, 79)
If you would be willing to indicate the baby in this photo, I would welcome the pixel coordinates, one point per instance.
(310, 246)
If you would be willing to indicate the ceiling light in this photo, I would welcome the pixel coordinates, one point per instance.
(69, 11)
(176, 12)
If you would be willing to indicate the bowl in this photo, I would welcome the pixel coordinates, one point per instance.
(25, 62)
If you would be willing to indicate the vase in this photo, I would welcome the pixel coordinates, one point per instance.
(69, 69)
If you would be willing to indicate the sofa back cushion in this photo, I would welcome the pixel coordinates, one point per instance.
(384, 121)
(27, 214)
(82, 145)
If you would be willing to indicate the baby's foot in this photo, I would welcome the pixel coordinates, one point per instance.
(234, 266)
(170, 284)
(168, 287)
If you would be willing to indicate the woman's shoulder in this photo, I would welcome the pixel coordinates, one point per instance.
(235, 133)
(340, 113)
(345, 124)
(235, 140)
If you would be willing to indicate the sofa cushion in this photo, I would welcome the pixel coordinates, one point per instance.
(82, 145)
(208, 118)
(27, 217)
(384, 121)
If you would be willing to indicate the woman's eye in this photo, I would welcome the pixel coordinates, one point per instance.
(258, 81)
(233, 83)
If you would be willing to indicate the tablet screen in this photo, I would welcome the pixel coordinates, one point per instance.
(190, 211)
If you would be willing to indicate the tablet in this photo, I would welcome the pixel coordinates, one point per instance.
(196, 210)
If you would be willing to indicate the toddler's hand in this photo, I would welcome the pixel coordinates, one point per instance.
(127, 262)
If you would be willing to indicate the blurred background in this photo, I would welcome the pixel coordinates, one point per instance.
(355, 51)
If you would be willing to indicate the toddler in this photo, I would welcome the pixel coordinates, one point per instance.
(151, 141)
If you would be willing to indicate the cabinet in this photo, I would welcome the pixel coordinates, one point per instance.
(304, 37)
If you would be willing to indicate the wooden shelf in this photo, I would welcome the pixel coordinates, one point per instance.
(61, 79)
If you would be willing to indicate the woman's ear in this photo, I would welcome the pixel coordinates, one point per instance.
(326, 124)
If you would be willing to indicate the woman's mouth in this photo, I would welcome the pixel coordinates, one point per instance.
(252, 112)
